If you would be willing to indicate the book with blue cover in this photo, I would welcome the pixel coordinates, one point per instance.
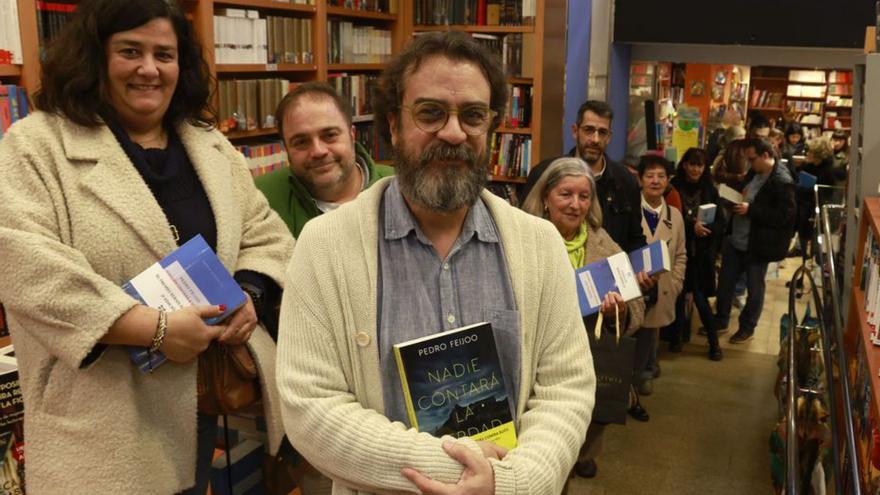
(594, 281)
(651, 259)
(453, 384)
(806, 180)
(706, 213)
(191, 275)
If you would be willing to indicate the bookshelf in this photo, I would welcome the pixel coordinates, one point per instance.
(862, 354)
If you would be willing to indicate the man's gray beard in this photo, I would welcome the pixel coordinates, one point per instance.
(441, 188)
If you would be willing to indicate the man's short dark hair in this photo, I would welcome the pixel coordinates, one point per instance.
(312, 89)
(758, 122)
(652, 160)
(761, 146)
(600, 108)
(454, 45)
(73, 80)
(793, 128)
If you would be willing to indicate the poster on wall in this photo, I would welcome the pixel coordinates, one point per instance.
(685, 133)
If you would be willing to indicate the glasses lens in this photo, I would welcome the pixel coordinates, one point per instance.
(475, 119)
(430, 116)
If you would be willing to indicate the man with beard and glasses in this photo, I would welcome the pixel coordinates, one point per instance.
(327, 167)
(427, 251)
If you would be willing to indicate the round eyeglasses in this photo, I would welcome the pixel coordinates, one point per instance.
(431, 116)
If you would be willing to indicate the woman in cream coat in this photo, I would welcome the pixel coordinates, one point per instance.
(95, 188)
(660, 222)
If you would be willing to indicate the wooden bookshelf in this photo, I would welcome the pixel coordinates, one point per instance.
(10, 71)
(476, 29)
(263, 68)
(505, 178)
(267, 5)
(355, 67)
(360, 14)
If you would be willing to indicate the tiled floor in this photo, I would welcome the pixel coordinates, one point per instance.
(710, 422)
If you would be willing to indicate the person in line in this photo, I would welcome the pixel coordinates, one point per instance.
(326, 166)
(726, 168)
(117, 168)
(660, 222)
(776, 138)
(616, 187)
(564, 195)
(840, 145)
(426, 251)
(794, 144)
(759, 126)
(762, 227)
(819, 163)
(693, 180)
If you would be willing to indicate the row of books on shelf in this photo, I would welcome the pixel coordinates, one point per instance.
(840, 76)
(805, 91)
(840, 89)
(806, 76)
(802, 106)
(366, 134)
(761, 98)
(518, 111)
(348, 43)
(10, 36)
(52, 16)
(516, 52)
(249, 104)
(839, 101)
(386, 6)
(11, 418)
(474, 12)
(356, 89)
(13, 106)
(263, 158)
(867, 434)
(242, 37)
(511, 155)
(870, 284)
(835, 121)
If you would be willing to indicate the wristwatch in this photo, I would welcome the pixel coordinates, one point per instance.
(255, 292)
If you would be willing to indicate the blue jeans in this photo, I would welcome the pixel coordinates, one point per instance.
(734, 263)
(207, 437)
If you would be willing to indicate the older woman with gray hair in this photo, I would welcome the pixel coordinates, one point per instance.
(564, 194)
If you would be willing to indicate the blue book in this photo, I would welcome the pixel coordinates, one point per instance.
(651, 259)
(191, 275)
(706, 213)
(806, 180)
(594, 281)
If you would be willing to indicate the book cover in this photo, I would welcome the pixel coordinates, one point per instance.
(806, 180)
(594, 281)
(651, 259)
(191, 275)
(453, 385)
(11, 425)
(706, 213)
(730, 194)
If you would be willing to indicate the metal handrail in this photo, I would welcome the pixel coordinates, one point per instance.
(837, 327)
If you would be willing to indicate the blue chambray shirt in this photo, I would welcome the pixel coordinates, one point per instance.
(419, 294)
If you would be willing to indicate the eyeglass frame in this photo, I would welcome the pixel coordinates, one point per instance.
(449, 112)
(589, 130)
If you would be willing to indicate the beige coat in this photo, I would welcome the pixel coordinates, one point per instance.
(600, 246)
(669, 229)
(328, 358)
(77, 221)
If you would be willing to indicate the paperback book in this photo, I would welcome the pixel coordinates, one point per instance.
(614, 273)
(453, 384)
(730, 194)
(806, 180)
(11, 425)
(191, 275)
(651, 259)
(706, 213)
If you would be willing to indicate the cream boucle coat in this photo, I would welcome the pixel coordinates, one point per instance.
(328, 360)
(77, 221)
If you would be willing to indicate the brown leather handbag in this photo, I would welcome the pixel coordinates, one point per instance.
(228, 379)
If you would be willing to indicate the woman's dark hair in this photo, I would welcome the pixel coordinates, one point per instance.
(793, 128)
(651, 160)
(693, 155)
(457, 46)
(73, 82)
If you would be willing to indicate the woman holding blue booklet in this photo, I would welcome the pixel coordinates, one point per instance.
(564, 195)
(120, 166)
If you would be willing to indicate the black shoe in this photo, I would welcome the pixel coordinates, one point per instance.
(741, 336)
(639, 413)
(675, 347)
(715, 353)
(586, 469)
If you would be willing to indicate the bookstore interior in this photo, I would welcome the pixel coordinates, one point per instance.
(259, 50)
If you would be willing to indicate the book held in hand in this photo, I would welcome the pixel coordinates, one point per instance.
(191, 275)
(12, 461)
(806, 180)
(453, 384)
(730, 194)
(651, 259)
(706, 213)
(594, 281)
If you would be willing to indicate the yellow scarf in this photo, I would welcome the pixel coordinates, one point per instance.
(576, 247)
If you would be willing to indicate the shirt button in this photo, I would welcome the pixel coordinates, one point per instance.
(450, 318)
(362, 339)
(446, 266)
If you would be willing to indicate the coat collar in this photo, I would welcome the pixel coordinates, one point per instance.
(114, 181)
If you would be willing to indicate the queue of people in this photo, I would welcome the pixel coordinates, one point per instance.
(121, 164)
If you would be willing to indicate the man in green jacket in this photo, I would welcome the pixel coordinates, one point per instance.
(326, 167)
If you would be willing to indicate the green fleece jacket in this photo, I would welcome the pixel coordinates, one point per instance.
(293, 202)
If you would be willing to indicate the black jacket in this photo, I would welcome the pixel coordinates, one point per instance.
(701, 251)
(619, 197)
(772, 214)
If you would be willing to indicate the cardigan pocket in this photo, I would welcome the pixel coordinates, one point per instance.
(57, 389)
